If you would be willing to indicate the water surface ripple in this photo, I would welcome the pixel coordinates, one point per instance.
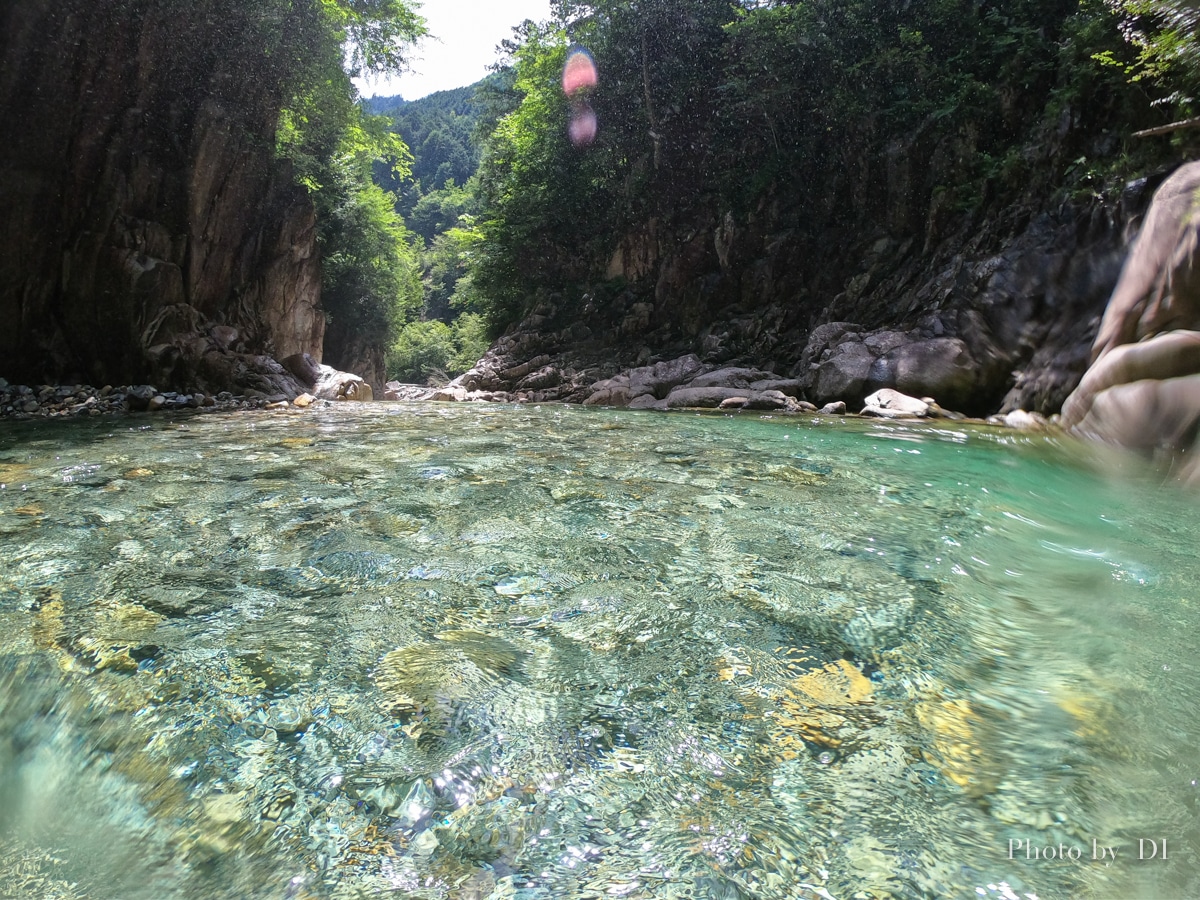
(441, 651)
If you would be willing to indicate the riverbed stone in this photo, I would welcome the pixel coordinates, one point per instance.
(733, 377)
(138, 397)
(837, 408)
(709, 397)
(335, 385)
(844, 373)
(940, 367)
(661, 378)
(891, 404)
(450, 395)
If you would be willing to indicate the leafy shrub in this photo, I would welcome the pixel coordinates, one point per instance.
(432, 350)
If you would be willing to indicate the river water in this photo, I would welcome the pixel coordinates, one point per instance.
(451, 651)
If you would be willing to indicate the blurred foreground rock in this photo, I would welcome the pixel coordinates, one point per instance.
(1142, 390)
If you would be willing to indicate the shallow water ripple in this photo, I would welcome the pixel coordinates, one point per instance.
(463, 652)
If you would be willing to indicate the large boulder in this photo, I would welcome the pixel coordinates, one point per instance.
(658, 380)
(1142, 390)
(843, 375)
(334, 385)
(1159, 287)
(730, 377)
(941, 368)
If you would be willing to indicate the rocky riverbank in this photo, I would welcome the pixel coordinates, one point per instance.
(22, 401)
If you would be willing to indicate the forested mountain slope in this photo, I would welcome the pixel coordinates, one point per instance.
(945, 177)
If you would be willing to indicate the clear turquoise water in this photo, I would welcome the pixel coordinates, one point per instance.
(493, 652)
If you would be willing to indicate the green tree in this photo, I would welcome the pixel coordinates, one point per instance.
(1166, 34)
(370, 271)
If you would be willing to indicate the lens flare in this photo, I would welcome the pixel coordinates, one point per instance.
(583, 127)
(579, 73)
(579, 77)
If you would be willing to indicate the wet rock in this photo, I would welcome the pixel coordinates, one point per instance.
(660, 379)
(941, 367)
(1022, 420)
(734, 403)
(304, 400)
(450, 395)
(735, 378)
(334, 385)
(711, 397)
(890, 404)
(844, 373)
(139, 396)
(837, 408)
(157, 402)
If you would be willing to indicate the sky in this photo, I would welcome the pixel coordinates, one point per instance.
(469, 31)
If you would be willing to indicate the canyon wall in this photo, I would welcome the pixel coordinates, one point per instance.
(149, 233)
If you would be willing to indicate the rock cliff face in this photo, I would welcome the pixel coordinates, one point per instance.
(148, 232)
(997, 315)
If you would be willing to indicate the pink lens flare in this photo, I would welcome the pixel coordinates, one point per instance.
(583, 127)
(579, 73)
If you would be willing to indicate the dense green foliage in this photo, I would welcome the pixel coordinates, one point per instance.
(370, 274)
(440, 128)
(445, 333)
(1167, 36)
(712, 105)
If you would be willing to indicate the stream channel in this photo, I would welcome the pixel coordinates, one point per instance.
(465, 651)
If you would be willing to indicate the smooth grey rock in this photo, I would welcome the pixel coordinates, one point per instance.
(844, 373)
(890, 404)
(450, 395)
(790, 386)
(732, 377)
(660, 379)
(647, 401)
(334, 385)
(883, 342)
(939, 367)
(306, 369)
(139, 396)
(610, 396)
(838, 408)
(1159, 287)
(710, 397)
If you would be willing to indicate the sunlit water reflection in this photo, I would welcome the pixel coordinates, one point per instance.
(497, 652)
